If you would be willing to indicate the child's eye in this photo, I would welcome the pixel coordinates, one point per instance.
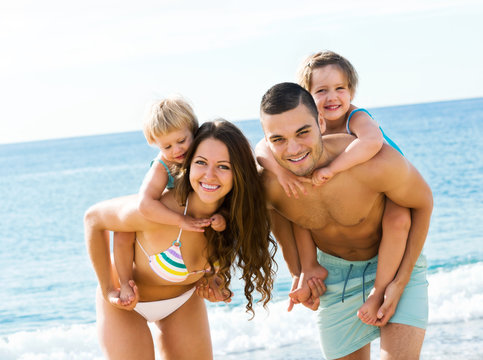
(167, 147)
(320, 91)
(181, 141)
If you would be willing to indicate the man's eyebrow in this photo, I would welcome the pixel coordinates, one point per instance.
(304, 128)
(275, 136)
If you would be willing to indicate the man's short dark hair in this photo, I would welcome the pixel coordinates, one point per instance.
(287, 96)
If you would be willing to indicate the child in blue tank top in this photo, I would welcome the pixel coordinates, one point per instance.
(170, 125)
(332, 81)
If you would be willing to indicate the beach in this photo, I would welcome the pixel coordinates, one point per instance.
(46, 186)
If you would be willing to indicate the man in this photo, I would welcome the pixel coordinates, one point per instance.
(344, 217)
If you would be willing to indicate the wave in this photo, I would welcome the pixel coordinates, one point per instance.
(455, 297)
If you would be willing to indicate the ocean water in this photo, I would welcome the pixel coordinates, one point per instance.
(47, 309)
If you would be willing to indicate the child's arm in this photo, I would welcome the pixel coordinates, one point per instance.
(123, 249)
(150, 207)
(367, 144)
(289, 182)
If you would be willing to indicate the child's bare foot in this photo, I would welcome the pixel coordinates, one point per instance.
(127, 294)
(368, 311)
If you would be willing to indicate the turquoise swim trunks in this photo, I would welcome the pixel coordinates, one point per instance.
(341, 331)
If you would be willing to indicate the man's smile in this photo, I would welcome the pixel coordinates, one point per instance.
(299, 158)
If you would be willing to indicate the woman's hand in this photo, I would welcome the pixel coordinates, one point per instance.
(113, 297)
(210, 289)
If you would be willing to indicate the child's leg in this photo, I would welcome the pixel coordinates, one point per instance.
(123, 244)
(396, 222)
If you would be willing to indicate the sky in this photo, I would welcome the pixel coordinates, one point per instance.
(90, 67)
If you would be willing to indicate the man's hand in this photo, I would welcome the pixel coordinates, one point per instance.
(391, 299)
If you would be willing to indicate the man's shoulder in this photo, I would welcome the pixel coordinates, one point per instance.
(386, 168)
(335, 144)
(273, 189)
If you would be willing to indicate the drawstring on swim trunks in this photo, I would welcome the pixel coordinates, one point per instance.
(364, 283)
(345, 283)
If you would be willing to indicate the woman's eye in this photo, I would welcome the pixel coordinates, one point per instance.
(224, 167)
(200, 162)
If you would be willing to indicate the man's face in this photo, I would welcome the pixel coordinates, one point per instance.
(294, 139)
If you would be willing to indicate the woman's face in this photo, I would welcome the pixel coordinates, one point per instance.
(211, 174)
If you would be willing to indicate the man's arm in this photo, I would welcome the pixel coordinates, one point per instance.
(282, 230)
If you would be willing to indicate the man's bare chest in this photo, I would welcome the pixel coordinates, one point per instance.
(338, 203)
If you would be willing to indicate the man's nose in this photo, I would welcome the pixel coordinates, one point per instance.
(293, 147)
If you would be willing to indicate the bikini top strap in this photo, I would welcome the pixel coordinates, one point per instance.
(350, 115)
(144, 251)
(177, 242)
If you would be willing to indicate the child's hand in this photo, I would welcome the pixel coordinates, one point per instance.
(191, 224)
(218, 222)
(321, 176)
(291, 183)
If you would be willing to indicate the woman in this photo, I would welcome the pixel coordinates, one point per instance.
(219, 175)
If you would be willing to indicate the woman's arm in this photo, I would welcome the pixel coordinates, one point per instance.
(118, 214)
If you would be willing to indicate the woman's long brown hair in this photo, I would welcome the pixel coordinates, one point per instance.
(246, 240)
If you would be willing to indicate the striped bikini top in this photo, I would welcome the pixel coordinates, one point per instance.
(169, 264)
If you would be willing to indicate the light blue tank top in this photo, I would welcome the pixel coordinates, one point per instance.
(386, 138)
(170, 184)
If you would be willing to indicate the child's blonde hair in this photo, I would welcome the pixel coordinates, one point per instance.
(166, 115)
(324, 58)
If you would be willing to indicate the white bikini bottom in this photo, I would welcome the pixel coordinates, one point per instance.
(157, 310)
